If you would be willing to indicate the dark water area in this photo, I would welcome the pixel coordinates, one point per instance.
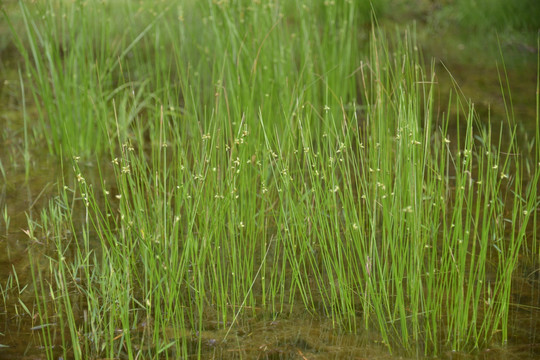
(27, 189)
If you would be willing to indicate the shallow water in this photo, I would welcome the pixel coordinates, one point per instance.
(297, 336)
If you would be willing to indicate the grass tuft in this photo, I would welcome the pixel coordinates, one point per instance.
(250, 174)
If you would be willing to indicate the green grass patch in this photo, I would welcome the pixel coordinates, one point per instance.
(258, 160)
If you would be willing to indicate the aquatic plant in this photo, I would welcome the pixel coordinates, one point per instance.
(262, 174)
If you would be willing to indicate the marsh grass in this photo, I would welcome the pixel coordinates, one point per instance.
(297, 168)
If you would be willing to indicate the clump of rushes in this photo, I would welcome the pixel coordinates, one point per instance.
(277, 171)
(72, 54)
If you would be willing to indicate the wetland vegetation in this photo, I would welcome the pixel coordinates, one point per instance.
(265, 179)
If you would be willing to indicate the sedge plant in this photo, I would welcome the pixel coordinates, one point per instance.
(302, 168)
